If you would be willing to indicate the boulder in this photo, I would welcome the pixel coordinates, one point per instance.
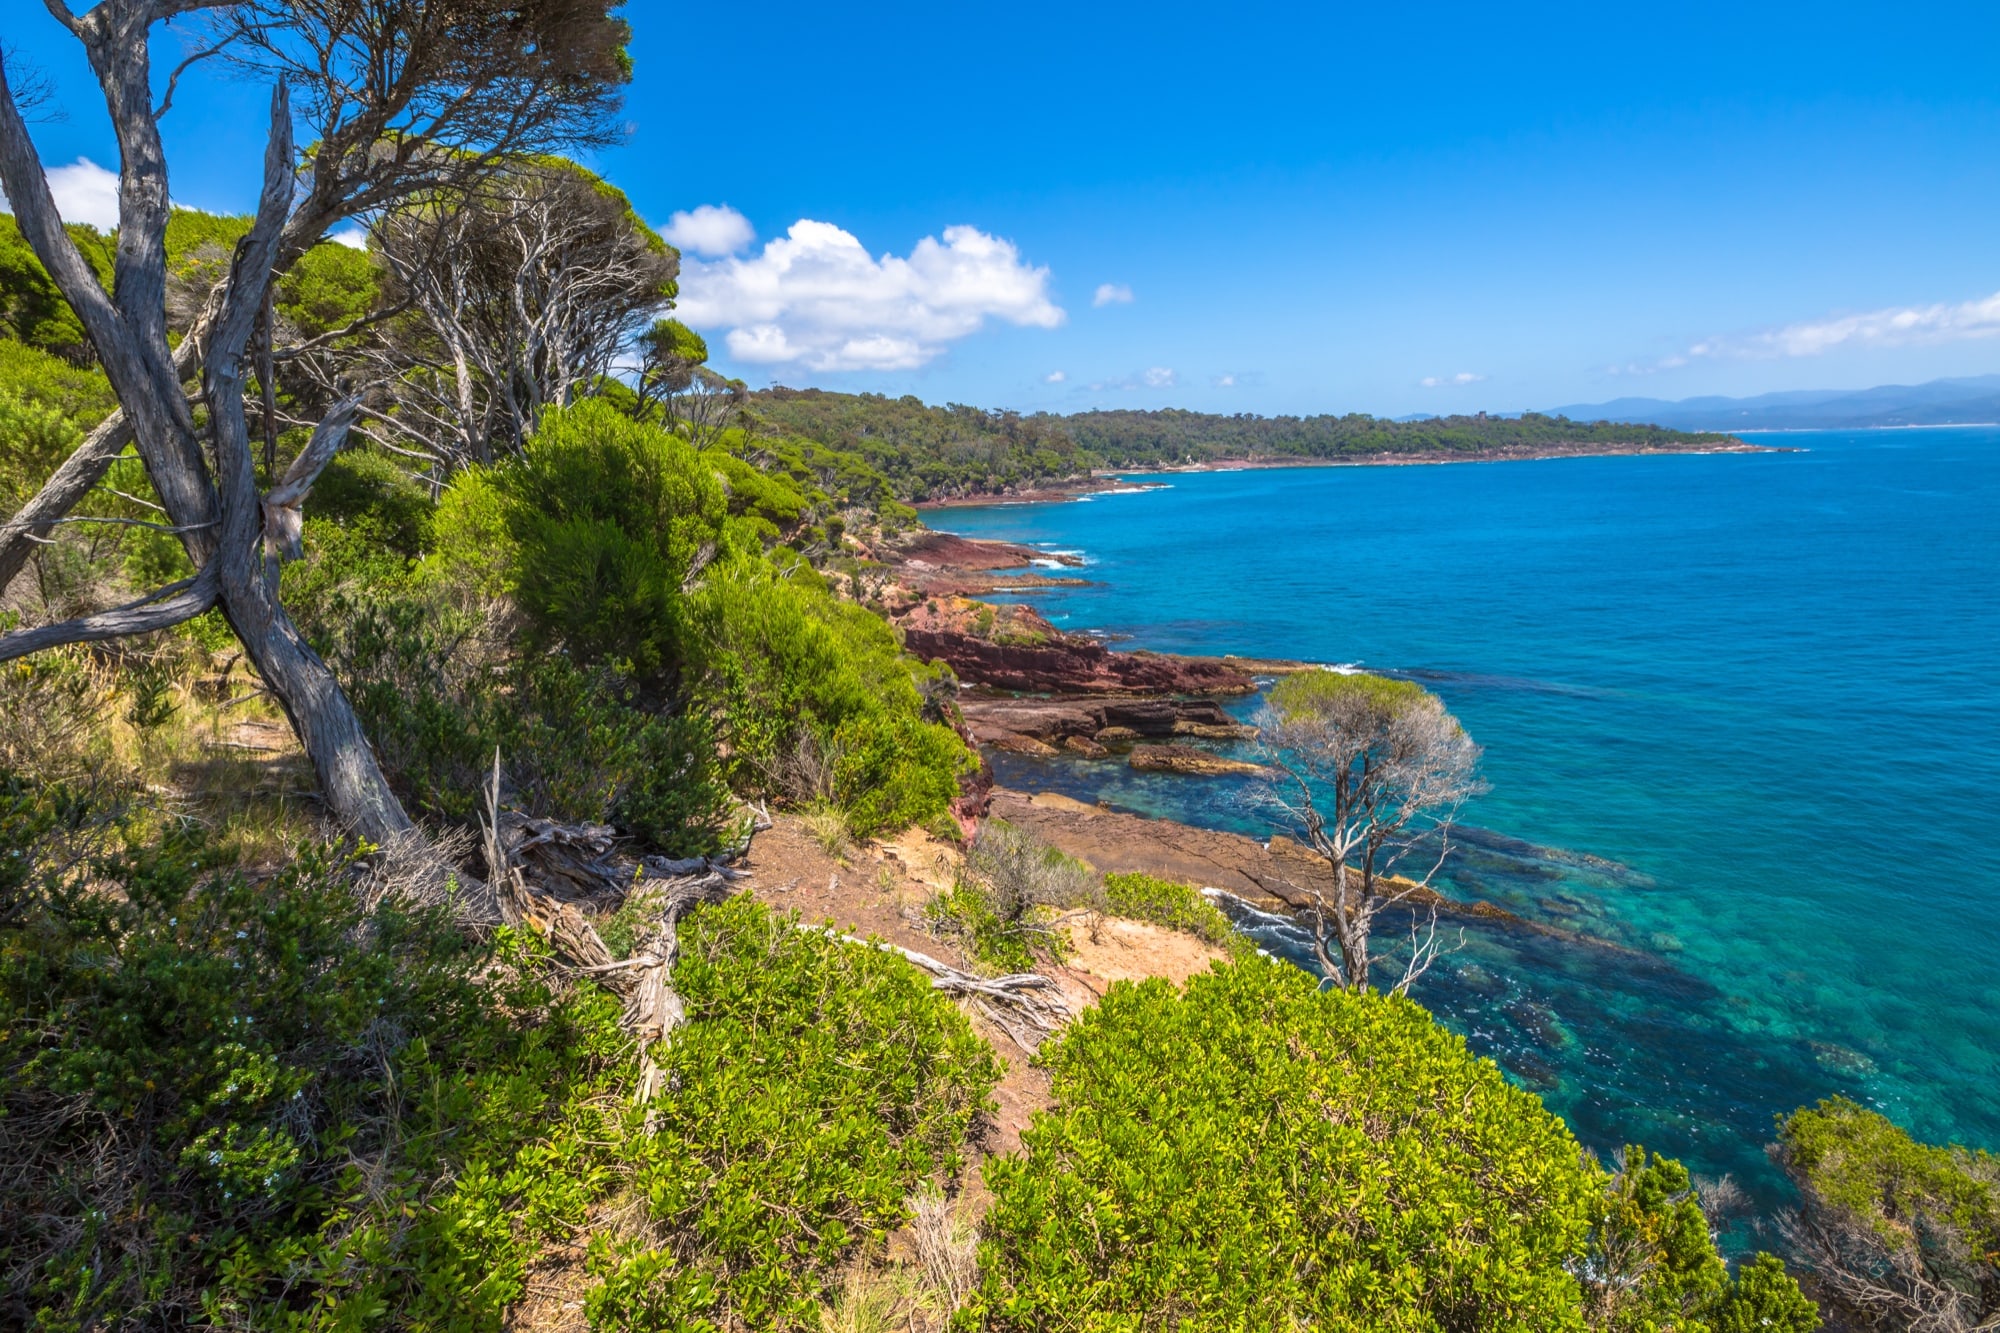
(1187, 759)
(1085, 746)
(1019, 744)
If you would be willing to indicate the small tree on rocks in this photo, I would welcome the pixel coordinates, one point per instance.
(1373, 770)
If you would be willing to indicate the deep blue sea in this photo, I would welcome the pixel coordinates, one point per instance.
(1741, 718)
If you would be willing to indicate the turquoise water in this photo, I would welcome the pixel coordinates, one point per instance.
(1741, 720)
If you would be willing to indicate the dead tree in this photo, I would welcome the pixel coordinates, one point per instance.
(395, 98)
(205, 479)
(1373, 770)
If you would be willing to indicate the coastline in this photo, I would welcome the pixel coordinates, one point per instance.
(1028, 688)
(1057, 492)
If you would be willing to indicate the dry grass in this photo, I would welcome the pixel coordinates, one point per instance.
(946, 1249)
(917, 1285)
(827, 826)
(161, 726)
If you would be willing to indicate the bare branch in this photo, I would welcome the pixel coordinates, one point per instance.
(170, 606)
(174, 79)
(283, 524)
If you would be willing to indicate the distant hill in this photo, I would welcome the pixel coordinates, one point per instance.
(1939, 403)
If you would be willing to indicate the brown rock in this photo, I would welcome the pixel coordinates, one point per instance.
(1187, 759)
(1085, 746)
(1019, 744)
(1215, 731)
(1117, 734)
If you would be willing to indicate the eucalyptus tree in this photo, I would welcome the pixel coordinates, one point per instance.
(392, 97)
(1373, 770)
(520, 291)
(368, 74)
(696, 400)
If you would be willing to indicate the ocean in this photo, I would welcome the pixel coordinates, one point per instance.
(1741, 719)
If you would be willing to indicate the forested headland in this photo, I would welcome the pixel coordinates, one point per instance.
(429, 693)
(939, 452)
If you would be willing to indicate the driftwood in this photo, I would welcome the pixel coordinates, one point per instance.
(573, 863)
(1024, 1005)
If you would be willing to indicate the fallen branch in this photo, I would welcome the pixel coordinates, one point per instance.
(577, 856)
(1026, 1006)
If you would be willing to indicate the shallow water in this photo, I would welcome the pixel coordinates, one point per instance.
(1741, 721)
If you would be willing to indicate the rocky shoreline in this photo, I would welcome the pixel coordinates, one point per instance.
(1028, 688)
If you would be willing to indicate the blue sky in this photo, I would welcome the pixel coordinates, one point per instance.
(1310, 208)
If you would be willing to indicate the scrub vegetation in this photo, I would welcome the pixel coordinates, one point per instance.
(349, 601)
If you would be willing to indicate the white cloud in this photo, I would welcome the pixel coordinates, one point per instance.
(1439, 381)
(815, 298)
(1225, 381)
(1898, 326)
(711, 230)
(354, 238)
(1155, 377)
(1055, 377)
(1112, 293)
(84, 192)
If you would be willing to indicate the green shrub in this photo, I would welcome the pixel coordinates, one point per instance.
(1176, 906)
(816, 701)
(575, 744)
(1255, 1153)
(608, 517)
(817, 1083)
(257, 1105)
(226, 1103)
(1903, 1230)
(34, 440)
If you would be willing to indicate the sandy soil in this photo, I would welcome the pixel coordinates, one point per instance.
(881, 889)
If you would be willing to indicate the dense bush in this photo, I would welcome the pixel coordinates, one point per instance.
(817, 1086)
(575, 744)
(816, 702)
(1255, 1153)
(608, 518)
(256, 1105)
(261, 1105)
(626, 549)
(1174, 905)
(1897, 1230)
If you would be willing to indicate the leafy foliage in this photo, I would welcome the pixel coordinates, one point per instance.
(267, 1105)
(1895, 1229)
(1257, 1153)
(576, 744)
(608, 518)
(255, 1104)
(1176, 906)
(1254, 1153)
(817, 1084)
(816, 702)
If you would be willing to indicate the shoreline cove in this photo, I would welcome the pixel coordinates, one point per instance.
(1532, 601)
